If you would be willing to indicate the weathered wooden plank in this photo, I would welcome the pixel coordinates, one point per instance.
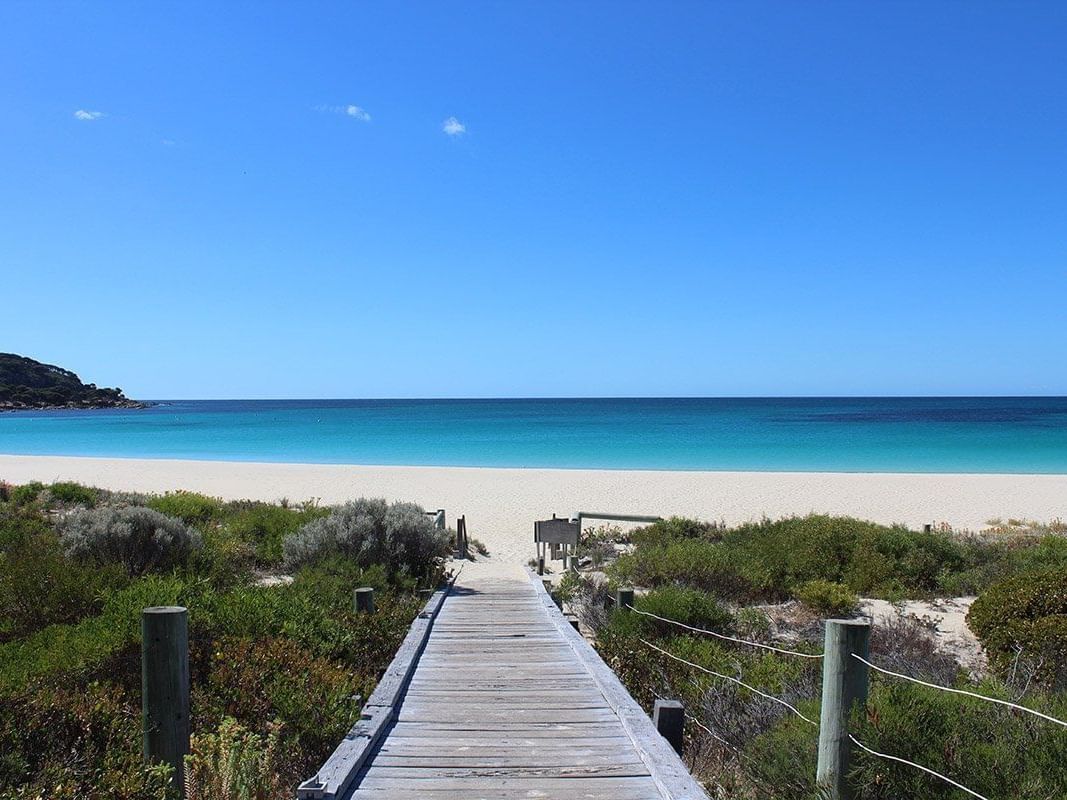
(399, 746)
(505, 739)
(519, 761)
(543, 730)
(459, 714)
(515, 701)
(498, 788)
(437, 773)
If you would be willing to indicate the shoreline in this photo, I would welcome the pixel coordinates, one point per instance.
(655, 470)
(501, 504)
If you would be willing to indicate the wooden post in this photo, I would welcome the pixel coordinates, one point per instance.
(363, 600)
(669, 718)
(461, 536)
(165, 687)
(624, 598)
(844, 687)
(540, 565)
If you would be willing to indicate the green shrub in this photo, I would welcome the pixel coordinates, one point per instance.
(1050, 552)
(265, 527)
(673, 528)
(74, 493)
(83, 649)
(19, 523)
(694, 562)
(140, 539)
(687, 606)
(26, 493)
(39, 586)
(399, 536)
(191, 507)
(1025, 616)
(828, 598)
(765, 560)
(225, 557)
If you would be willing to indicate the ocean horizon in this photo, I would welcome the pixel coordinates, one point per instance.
(803, 434)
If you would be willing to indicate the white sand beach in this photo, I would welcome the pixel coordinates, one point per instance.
(501, 504)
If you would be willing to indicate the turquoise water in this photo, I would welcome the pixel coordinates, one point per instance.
(832, 434)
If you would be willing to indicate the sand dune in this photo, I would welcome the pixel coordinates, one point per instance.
(501, 504)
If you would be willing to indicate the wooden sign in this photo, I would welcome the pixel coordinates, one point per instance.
(556, 531)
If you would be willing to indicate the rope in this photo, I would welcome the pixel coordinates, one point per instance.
(712, 733)
(794, 709)
(927, 770)
(854, 740)
(724, 636)
(960, 691)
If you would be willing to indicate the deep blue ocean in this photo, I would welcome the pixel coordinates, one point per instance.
(956, 434)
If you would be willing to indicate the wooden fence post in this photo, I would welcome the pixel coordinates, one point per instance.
(669, 718)
(165, 687)
(461, 536)
(363, 600)
(844, 687)
(624, 598)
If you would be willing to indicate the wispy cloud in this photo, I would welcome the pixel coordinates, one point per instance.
(354, 111)
(358, 113)
(87, 116)
(453, 127)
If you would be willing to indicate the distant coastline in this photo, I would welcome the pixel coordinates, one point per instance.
(73, 405)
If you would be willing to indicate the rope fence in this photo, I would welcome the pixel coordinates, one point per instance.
(723, 636)
(761, 693)
(1007, 703)
(927, 770)
(839, 711)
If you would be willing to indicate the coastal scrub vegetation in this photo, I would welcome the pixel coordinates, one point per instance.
(397, 536)
(773, 582)
(278, 663)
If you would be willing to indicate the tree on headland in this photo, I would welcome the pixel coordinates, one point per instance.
(26, 383)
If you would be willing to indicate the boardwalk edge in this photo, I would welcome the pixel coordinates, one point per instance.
(336, 775)
(668, 771)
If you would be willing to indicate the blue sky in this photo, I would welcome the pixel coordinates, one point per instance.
(550, 198)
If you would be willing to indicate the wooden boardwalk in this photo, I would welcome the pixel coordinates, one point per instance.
(506, 701)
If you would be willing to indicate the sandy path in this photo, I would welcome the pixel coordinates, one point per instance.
(501, 504)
